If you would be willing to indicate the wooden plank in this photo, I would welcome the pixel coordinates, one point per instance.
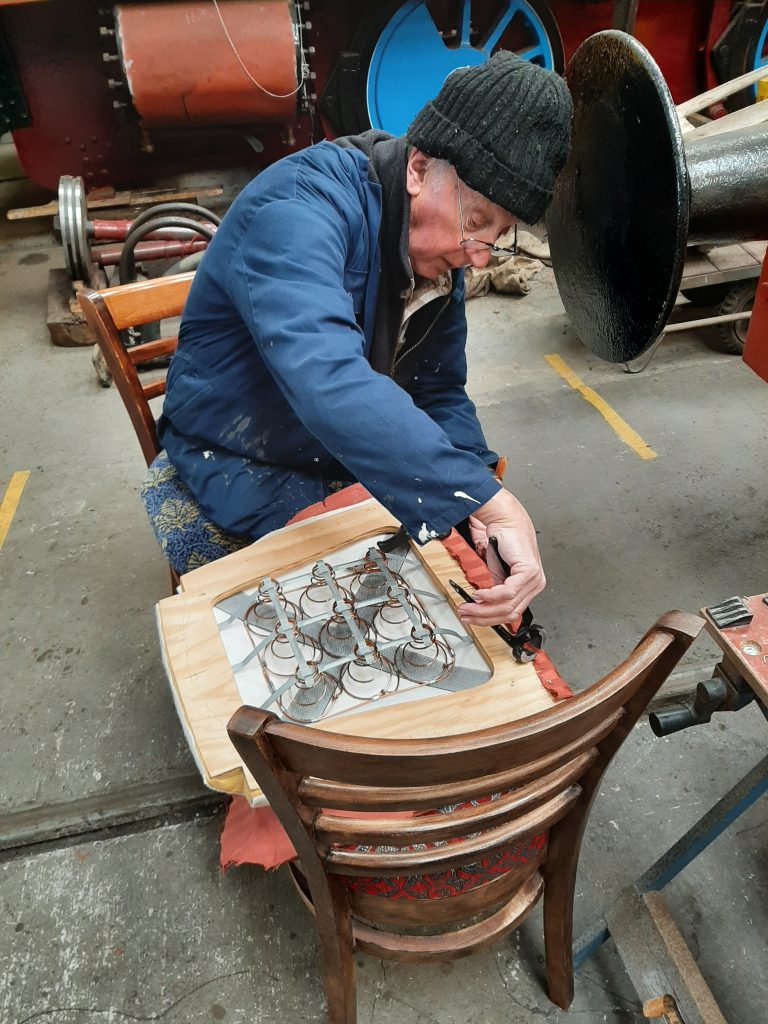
(756, 249)
(691, 123)
(204, 686)
(721, 276)
(723, 264)
(657, 959)
(66, 324)
(140, 197)
(731, 257)
(664, 1008)
(706, 99)
(696, 264)
(683, 959)
(747, 117)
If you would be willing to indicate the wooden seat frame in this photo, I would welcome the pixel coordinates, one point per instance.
(547, 768)
(113, 310)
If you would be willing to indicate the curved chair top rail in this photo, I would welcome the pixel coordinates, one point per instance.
(365, 762)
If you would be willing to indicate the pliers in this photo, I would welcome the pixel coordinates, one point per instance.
(529, 638)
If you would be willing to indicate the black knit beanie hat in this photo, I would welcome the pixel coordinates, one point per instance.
(505, 126)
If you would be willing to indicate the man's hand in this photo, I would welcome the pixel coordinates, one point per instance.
(504, 518)
(479, 535)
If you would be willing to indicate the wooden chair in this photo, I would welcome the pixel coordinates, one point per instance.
(113, 310)
(547, 769)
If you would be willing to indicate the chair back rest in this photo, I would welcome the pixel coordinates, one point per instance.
(542, 766)
(113, 310)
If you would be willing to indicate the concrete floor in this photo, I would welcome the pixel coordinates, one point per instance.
(114, 908)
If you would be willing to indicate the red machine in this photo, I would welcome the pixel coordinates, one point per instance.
(122, 94)
(756, 345)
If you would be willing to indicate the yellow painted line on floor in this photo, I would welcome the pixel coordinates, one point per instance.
(629, 436)
(10, 502)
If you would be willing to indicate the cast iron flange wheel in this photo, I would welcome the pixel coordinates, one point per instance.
(730, 337)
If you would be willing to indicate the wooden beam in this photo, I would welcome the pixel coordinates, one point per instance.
(657, 959)
(720, 92)
(140, 197)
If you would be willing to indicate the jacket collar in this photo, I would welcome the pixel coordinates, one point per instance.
(387, 160)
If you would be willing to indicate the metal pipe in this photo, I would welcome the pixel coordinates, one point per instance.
(109, 255)
(180, 209)
(127, 264)
(117, 231)
(728, 186)
(706, 321)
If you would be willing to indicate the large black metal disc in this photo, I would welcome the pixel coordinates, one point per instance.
(619, 219)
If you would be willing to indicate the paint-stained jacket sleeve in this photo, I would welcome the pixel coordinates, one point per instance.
(295, 301)
(435, 376)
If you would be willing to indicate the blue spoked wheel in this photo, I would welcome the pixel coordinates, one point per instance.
(760, 58)
(408, 51)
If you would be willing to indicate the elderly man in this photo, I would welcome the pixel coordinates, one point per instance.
(324, 335)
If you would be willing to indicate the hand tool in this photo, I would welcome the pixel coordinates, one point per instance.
(529, 638)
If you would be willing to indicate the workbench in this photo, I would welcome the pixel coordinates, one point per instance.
(661, 967)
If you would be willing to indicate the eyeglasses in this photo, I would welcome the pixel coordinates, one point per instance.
(474, 244)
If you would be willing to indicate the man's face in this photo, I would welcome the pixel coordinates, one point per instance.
(435, 230)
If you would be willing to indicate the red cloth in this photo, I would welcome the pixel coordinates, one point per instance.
(253, 835)
(479, 575)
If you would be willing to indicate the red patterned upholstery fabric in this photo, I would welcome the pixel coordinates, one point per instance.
(452, 882)
(455, 880)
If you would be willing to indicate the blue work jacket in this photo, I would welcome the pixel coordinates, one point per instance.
(273, 374)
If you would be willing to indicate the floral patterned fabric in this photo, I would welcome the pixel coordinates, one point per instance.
(455, 880)
(187, 538)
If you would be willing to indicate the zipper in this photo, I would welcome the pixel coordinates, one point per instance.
(406, 351)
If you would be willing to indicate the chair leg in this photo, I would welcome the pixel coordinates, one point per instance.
(337, 964)
(175, 580)
(559, 873)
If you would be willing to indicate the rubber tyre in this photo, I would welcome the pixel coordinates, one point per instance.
(735, 52)
(730, 337)
(370, 29)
